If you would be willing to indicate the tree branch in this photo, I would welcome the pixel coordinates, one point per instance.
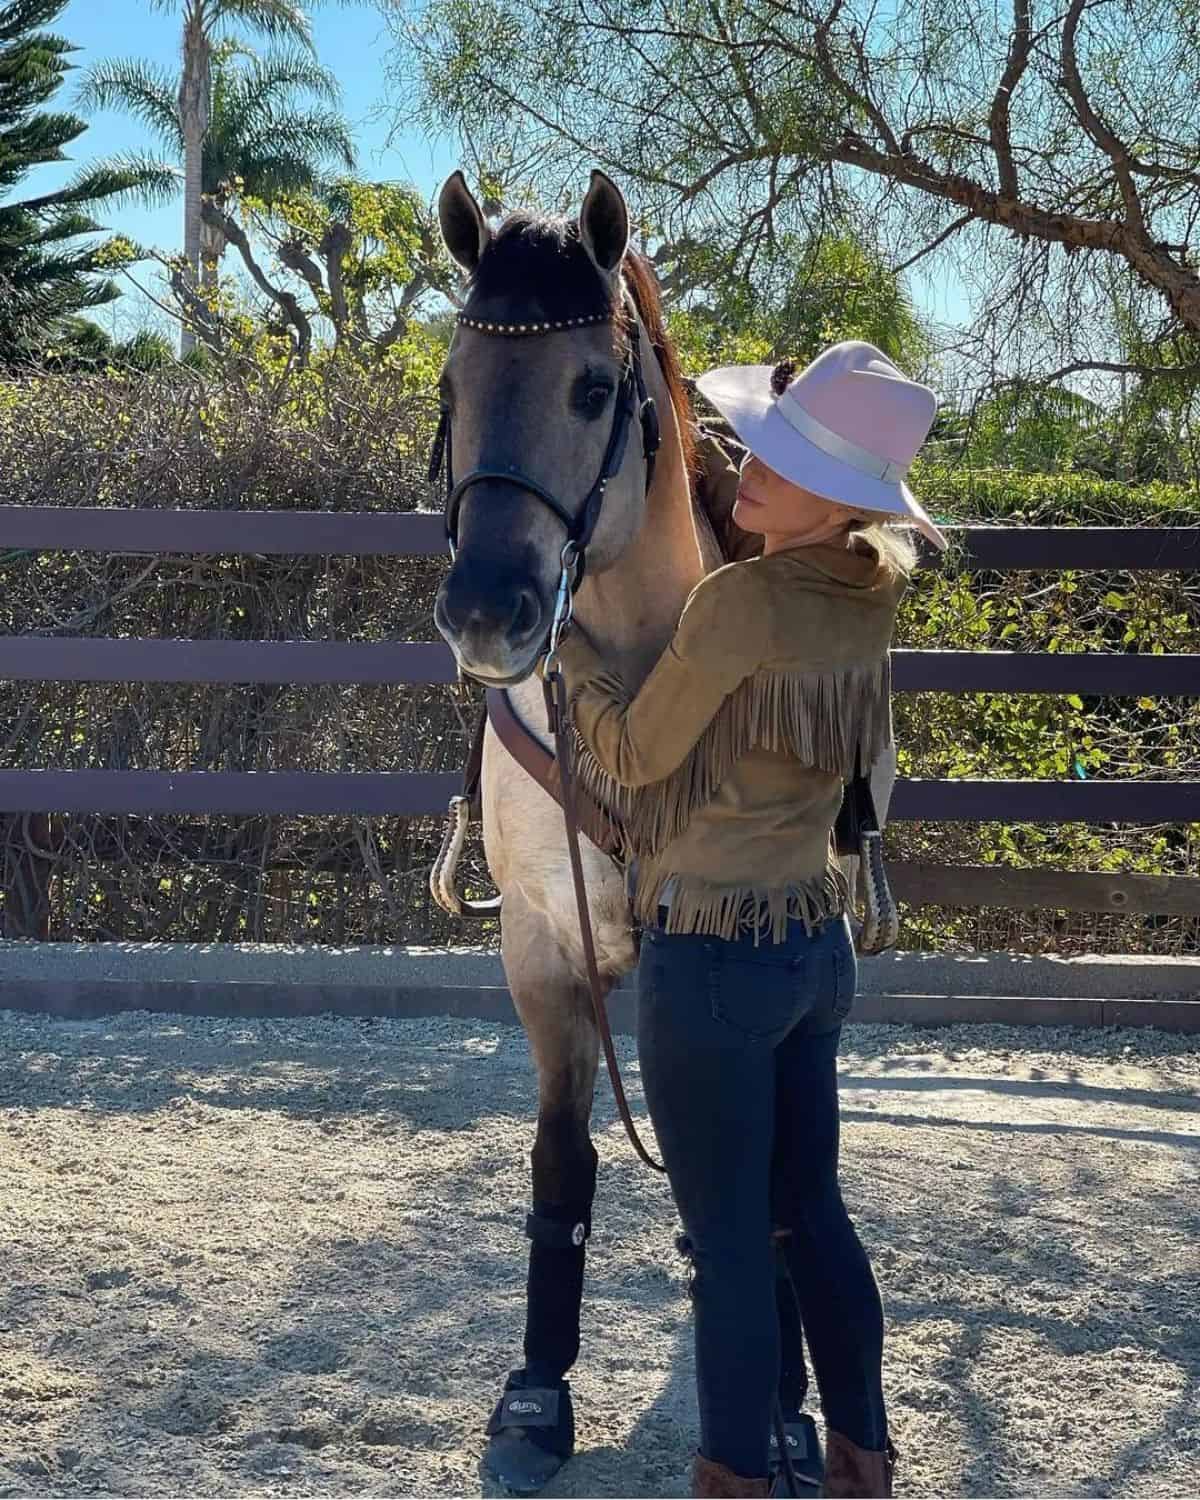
(849, 91)
(1112, 367)
(291, 254)
(335, 243)
(284, 300)
(1094, 126)
(933, 244)
(1177, 282)
(998, 122)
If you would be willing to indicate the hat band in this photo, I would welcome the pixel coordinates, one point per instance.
(836, 446)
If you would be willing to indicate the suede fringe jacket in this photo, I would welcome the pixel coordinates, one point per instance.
(726, 768)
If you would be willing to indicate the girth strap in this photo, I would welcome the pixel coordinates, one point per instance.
(533, 757)
(473, 769)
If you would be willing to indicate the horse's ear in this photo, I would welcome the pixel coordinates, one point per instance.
(464, 228)
(604, 223)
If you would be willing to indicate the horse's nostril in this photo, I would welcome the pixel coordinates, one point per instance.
(527, 614)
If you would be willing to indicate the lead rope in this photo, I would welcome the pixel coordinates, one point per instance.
(554, 688)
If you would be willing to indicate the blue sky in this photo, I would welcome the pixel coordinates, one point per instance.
(351, 39)
(354, 42)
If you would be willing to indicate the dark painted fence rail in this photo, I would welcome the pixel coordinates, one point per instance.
(50, 528)
(88, 659)
(983, 548)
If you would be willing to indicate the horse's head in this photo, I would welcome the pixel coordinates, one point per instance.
(546, 442)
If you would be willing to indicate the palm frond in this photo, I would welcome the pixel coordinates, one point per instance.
(118, 179)
(269, 174)
(64, 226)
(288, 72)
(140, 89)
(321, 135)
(20, 16)
(151, 181)
(282, 19)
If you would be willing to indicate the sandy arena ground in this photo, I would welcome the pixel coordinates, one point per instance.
(285, 1258)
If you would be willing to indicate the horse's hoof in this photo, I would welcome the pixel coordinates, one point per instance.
(531, 1435)
(515, 1461)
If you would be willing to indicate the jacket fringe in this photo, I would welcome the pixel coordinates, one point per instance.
(819, 718)
(696, 906)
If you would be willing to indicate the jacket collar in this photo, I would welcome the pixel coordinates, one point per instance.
(856, 567)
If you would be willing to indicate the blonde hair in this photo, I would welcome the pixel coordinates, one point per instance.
(894, 545)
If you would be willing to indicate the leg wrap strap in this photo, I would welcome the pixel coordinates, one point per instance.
(558, 1234)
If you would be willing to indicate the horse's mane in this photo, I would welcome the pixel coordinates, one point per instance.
(647, 298)
(535, 269)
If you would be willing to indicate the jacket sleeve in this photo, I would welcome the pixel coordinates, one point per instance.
(720, 640)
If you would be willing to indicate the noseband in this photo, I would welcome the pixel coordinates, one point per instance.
(580, 525)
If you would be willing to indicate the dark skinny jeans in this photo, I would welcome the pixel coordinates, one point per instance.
(738, 1048)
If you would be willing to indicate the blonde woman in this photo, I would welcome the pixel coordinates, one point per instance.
(728, 767)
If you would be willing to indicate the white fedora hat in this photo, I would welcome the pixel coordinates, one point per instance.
(847, 427)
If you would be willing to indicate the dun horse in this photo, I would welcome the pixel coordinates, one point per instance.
(542, 432)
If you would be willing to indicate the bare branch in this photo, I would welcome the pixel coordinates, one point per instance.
(859, 96)
(336, 243)
(1177, 282)
(1097, 130)
(1112, 367)
(286, 301)
(998, 122)
(291, 253)
(933, 244)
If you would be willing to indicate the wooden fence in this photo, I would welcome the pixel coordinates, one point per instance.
(74, 659)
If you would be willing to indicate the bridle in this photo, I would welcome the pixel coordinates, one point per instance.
(580, 526)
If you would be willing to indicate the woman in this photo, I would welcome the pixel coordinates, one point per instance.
(728, 768)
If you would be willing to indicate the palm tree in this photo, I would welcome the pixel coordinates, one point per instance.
(52, 265)
(204, 22)
(259, 134)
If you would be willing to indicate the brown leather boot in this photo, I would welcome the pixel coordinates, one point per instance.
(854, 1473)
(712, 1481)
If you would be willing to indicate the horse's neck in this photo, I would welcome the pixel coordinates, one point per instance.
(631, 611)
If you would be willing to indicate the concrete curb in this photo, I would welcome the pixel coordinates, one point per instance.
(1102, 976)
(92, 999)
(81, 981)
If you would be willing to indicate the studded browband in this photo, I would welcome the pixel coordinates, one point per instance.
(515, 330)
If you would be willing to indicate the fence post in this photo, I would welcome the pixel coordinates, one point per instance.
(28, 866)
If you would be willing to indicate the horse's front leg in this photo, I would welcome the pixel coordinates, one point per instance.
(532, 1432)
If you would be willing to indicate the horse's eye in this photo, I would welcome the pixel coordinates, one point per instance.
(596, 395)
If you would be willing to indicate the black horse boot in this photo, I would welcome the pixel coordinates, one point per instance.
(532, 1430)
(800, 1431)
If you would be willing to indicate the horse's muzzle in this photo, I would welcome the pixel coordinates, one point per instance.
(496, 632)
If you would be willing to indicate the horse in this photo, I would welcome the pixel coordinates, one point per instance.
(547, 423)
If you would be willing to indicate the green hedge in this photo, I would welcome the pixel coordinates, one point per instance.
(956, 494)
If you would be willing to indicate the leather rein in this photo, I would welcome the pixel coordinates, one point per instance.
(580, 528)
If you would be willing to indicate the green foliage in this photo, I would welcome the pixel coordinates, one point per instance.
(273, 124)
(368, 258)
(51, 265)
(1136, 436)
(808, 295)
(950, 134)
(957, 493)
(1041, 736)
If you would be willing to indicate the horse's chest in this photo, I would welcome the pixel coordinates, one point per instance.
(526, 846)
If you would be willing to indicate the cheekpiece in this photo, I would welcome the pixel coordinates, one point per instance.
(524, 330)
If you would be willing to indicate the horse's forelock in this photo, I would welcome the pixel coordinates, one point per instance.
(535, 269)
